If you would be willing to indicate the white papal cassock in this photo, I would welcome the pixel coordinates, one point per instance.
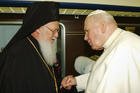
(118, 68)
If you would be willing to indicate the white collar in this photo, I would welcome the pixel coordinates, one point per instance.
(113, 37)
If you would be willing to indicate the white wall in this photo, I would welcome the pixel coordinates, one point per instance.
(108, 2)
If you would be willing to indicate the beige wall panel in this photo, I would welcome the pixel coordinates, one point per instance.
(108, 2)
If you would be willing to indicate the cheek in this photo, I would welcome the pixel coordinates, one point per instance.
(92, 38)
(49, 35)
(99, 43)
(95, 41)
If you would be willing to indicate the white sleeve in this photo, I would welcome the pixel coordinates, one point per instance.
(82, 81)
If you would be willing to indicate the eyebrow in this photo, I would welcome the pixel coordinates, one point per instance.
(85, 30)
(54, 29)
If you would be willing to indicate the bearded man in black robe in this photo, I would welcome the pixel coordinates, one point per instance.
(26, 63)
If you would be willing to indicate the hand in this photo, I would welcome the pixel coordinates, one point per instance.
(68, 82)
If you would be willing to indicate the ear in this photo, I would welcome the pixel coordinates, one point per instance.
(36, 34)
(38, 31)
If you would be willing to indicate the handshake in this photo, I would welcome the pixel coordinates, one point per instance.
(68, 82)
(82, 66)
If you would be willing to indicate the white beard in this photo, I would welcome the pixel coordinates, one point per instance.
(48, 51)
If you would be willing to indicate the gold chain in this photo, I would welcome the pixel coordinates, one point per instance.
(51, 73)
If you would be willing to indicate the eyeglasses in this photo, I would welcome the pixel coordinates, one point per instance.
(54, 31)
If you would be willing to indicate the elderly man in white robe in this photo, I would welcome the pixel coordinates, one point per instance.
(118, 69)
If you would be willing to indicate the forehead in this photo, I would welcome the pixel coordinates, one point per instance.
(53, 24)
(88, 22)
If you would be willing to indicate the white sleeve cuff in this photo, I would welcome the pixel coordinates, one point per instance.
(81, 81)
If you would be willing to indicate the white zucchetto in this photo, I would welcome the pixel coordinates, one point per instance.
(96, 12)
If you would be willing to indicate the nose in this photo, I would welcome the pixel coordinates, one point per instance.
(56, 35)
(86, 37)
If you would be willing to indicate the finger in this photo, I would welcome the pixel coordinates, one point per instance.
(64, 80)
(68, 80)
(68, 87)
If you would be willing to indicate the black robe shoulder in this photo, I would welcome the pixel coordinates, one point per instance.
(22, 70)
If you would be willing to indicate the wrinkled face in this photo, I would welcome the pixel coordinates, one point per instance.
(93, 34)
(48, 34)
(51, 30)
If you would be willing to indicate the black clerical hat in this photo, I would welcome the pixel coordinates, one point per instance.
(37, 14)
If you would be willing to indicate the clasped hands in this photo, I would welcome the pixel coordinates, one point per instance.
(68, 82)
